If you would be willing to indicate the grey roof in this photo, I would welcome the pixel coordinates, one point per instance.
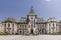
(10, 19)
(23, 19)
(40, 20)
(53, 19)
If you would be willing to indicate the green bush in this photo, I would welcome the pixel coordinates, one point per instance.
(54, 33)
(4, 33)
(59, 33)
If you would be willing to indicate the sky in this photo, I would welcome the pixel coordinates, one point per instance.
(20, 8)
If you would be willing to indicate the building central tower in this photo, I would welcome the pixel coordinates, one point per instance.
(31, 18)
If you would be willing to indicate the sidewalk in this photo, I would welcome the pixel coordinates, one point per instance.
(39, 37)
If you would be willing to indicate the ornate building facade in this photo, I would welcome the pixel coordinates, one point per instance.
(30, 25)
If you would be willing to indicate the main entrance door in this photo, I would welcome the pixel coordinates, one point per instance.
(31, 31)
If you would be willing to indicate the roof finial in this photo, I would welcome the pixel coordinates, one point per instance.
(31, 11)
(31, 7)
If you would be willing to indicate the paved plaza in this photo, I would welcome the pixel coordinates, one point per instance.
(39, 37)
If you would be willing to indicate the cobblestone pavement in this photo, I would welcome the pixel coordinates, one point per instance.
(39, 37)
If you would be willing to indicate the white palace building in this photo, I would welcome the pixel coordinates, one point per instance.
(30, 25)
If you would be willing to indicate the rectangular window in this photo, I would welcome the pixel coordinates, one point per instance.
(53, 27)
(12, 25)
(49, 27)
(8, 25)
(57, 24)
(5, 28)
(56, 28)
(53, 24)
(20, 26)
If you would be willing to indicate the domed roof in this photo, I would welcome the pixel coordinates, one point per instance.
(10, 20)
(31, 11)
